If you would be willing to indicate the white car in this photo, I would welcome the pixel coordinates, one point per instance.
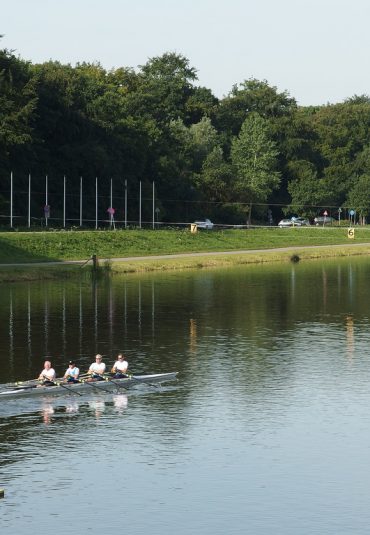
(207, 224)
(301, 221)
(294, 222)
(285, 223)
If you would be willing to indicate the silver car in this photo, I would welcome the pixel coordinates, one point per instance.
(206, 223)
(285, 223)
(294, 222)
(324, 220)
(303, 222)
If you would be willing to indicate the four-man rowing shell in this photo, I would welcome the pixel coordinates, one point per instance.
(110, 385)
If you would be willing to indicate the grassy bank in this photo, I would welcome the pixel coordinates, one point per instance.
(225, 260)
(29, 247)
(78, 245)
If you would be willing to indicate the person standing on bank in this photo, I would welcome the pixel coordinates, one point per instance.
(72, 373)
(97, 369)
(48, 374)
(120, 367)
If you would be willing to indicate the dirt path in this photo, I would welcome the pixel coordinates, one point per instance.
(295, 248)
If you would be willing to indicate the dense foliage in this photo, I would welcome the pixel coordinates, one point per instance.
(255, 149)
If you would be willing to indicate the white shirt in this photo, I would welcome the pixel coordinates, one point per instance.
(121, 366)
(98, 368)
(48, 374)
(72, 372)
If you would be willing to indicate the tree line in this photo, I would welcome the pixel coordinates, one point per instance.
(208, 157)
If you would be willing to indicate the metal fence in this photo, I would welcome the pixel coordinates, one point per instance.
(28, 202)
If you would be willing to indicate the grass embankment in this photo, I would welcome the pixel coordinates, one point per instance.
(33, 247)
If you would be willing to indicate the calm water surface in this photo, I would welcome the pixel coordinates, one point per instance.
(266, 431)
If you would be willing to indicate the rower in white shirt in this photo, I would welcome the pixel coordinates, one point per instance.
(97, 369)
(119, 368)
(72, 373)
(48, 374)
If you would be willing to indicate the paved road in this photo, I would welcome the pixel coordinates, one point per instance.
(191, 255)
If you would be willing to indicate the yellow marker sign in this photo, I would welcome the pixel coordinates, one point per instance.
(193, 228)
(351, 233)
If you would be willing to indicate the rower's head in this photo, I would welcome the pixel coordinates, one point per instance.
(72, 363)
(120, 356)
(47, 364)
(98, 358)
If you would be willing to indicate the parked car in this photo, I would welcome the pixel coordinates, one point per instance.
(324, 220)
(206, 224)
(285, 223)
(302, 221)
(294, 222)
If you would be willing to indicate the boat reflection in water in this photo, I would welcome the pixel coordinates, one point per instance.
(98, 406)
(47, 412)
(120, 402)
(72, 407)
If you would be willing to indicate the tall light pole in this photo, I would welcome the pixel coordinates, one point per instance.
(29, 200)
(80, 201)
(11, 199)
(64, 201)
(125, 203)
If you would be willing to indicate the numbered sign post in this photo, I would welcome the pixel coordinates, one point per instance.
(351, 233)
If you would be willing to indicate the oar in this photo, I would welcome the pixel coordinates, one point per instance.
(115, 383)
(30, 382)
(46, 378)
(91, 383)
(55, 383)
(68, 388)
(110, 380)
(84, 375)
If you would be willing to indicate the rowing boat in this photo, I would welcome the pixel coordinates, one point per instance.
(109, 385)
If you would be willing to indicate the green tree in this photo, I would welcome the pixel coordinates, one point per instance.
(362, 163)
(254, 155)
(164, 86)
(343, 131)
(203, 139)
(251, 96)
(359, 197)
(306, 190)
(215, 177)
(17, 104)
(17, 117)
(201, 103)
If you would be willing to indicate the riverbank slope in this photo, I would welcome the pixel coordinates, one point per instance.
(35, 255)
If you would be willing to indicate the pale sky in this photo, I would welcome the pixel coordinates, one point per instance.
(317, 50)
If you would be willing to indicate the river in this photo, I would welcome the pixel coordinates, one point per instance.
(266, 430)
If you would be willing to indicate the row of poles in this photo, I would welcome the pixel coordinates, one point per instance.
(110, 210)
(36, 319)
